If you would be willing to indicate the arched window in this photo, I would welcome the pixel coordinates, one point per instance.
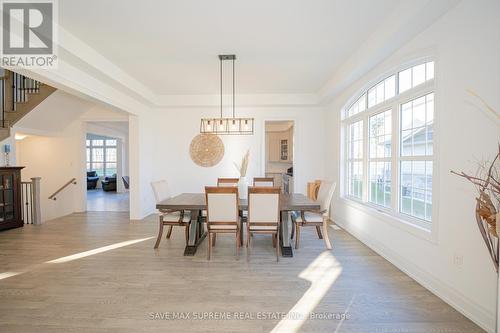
(388, 144)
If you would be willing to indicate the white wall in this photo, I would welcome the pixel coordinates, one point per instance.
(170, 132)
(56, 160)
(465, 44)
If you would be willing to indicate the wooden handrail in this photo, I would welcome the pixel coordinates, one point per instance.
(53, 196)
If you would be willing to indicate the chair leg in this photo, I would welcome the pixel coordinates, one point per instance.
(318, 231)
(325, 234)
(186, 233)
(160, 233)
(277, 248)
(209, 250)
(297, 239)
(248, 244)
(214, 238)
(238, 244)
(169, 232)
(293, 230)
(274, 241)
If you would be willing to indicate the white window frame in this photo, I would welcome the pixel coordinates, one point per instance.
(393, 104)
(104, 148)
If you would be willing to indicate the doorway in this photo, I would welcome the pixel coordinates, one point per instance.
(279, 147)
(107, 166)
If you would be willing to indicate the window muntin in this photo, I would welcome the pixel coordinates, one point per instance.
(396, 170)
(102, 156)
(355, 160)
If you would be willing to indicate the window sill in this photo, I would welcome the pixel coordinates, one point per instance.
(406, 224)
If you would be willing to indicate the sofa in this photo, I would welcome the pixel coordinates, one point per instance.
(109, 183)
(92, 179)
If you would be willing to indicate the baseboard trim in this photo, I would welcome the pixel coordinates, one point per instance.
(470, 309)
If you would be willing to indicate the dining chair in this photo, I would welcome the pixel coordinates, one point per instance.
(263, 214)
(222, 214)
(318, 219)
(169, 217)
(263, 182)
(225, 182)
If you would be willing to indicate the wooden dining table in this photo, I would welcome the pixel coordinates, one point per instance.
(196, 203)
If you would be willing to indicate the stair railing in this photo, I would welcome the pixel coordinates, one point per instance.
(30, 195)
(21, 87)
(54, 195)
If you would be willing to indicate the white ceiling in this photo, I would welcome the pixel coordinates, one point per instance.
(171, 46)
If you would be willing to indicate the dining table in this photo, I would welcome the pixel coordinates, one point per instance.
(195, 203)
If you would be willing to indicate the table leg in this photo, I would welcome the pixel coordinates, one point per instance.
(196, 234)
(285, 243)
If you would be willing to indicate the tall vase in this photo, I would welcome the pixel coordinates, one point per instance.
(243, 188)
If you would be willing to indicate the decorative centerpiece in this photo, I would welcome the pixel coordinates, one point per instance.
(242, 169)
(6, 150)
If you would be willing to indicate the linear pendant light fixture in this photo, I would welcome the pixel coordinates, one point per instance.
(227, 126)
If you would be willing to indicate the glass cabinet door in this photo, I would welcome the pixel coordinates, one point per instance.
(7, 197)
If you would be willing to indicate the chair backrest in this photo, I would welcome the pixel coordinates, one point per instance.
(227, 182)
(325, 195)
(263, 182)
(263, 205)
(161, 190)
(222, 204)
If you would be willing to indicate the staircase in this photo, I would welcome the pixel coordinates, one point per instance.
(18, 96)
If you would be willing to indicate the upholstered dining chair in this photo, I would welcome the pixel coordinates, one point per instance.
(263, 182)
(168, 217)
(263, 214)
(222, 214)
(318, 219)
(225, 182)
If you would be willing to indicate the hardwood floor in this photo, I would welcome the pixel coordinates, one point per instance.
(112, 286)
(101, 201)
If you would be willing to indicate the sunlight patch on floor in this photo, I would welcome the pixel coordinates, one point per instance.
(96, 251)
(9, 274)
(322, 273)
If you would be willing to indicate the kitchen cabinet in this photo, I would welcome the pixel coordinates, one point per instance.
(280, 146)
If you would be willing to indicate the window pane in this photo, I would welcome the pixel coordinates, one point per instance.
(88, 155)
(380, 183)
(380, 92)
(88, 167)
(418, 75)
(404, 80)
(390, 87)
(99, 168)
(110, 142)
(97, 154)
(429, 70)
(88, 143)
(372, 97)
(380, 135)
(110, 169)
(362, 103)
(110, 154)
(97, 142)
(416, 135)
(416, 189)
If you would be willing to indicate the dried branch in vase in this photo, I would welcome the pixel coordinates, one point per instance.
(242, 168)
(487, 183)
